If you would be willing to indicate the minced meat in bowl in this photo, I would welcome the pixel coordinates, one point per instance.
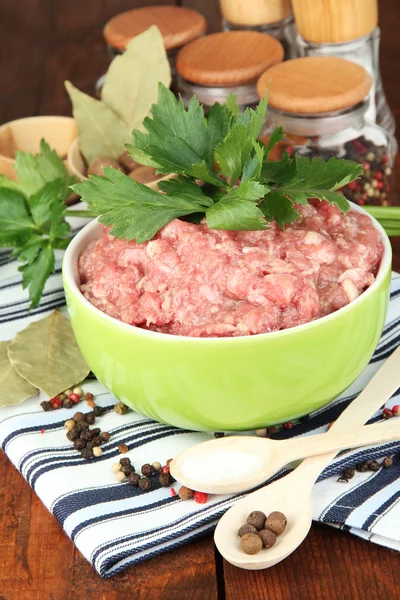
(193, 281)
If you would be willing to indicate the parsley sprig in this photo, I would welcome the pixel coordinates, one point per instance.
(223, 173)
(32, 215)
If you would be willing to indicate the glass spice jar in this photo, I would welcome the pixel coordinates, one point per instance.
(273, 17)
(178, 26)
(220, 64)
(321, 103)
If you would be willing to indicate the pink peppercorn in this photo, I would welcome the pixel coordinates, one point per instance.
(55, 402)
(396, 410)
(387, 413)
(165, 469)
(172, 492)
(74, 398)
(287, 425)
(200, 497)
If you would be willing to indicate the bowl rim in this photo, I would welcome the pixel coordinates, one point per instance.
(74, 248)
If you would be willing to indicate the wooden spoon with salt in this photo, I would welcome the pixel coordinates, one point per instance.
(292, 494)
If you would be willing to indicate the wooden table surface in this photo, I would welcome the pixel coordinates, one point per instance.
(42, 43)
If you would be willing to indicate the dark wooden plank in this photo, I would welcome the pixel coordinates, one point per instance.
(38, 561)
(210, 10)
(329, 565)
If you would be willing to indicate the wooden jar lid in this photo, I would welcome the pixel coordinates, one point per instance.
(178, 25)
(229, 58)
(315, 84)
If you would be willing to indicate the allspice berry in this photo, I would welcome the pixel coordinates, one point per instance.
(185, 493)
(123, 448)
(133, 479)
(147, 470)
(144, 174)
(127, 162)
(246, 529)
(164, 479)
(144, 484)
(257, 519)
(78, 416)
(276, 522)
(387, 462)
(251, 543)
(268, 538)
(96, 168)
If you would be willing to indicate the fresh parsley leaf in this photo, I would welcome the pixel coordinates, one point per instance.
(35, 170)
(36, 273)
(279, 172)
(247, 190)
(10, 184)
(276, 136)
(40, 202)
(16, 223)
(235, 215)
(253, 165)
(277, 206)
(232, 105)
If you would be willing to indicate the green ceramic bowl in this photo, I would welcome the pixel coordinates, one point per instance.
(227, 384)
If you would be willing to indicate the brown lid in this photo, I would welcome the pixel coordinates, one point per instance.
(178, 25)
(315, 84)
(229, 58)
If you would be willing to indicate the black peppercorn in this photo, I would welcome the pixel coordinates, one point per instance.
(73, 434)
(90, 418)
(46, 405)
(86, 435)
(133, 478)
(373, 465)
(105, 436)
(83, 425)
(349, 472)
(67, 403)
(387, 462)
(97, 441)
(78, 416)
(96, 431)
(164, 479)
(125, 462)
(98, 411)
(219, 434)
(257, 519)
(145, 484)
(79, 444)
(127, 469)
(87, 452)
(147, 470)
(362, 467)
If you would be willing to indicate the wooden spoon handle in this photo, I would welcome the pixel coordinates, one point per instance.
(383, 384)
(323, 443)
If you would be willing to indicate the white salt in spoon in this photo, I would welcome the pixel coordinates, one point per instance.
(292, 494)
(238, 463)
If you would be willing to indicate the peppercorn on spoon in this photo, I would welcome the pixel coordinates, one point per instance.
(264, 457)
(292, 494)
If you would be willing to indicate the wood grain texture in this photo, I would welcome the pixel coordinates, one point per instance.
(45, 42)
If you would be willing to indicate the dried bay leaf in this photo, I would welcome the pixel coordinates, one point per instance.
(100, 130)
(131, 82)
(47, 355)
(14, 388)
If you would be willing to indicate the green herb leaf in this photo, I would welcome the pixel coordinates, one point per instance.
(279, 171)
(36, 272)
(101, 132)
(131, 82)
(16, 224)
(232, 105)
(253, 165)
(14, 388)
(40, 203)
(46, 354)
(248, 190)
(277, 206)
(235, 215)
(276, 136)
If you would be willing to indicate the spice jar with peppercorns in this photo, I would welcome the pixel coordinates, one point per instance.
(220, 64)
(321, 103)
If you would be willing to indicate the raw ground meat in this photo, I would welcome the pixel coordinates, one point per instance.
(193, 281)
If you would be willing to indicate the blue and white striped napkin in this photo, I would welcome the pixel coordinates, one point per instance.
(115, 525)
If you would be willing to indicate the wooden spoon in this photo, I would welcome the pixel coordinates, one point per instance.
(292, 494)
(206, 466)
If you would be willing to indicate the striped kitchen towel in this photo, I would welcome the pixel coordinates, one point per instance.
(115, 525)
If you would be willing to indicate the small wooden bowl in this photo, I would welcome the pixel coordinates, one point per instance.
(77, 166)
(25, 134)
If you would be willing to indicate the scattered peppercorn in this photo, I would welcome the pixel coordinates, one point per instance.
(90, 418)
(105, 436)
(251, 543)
(200, 497)
(246, 529)
(276, 522)
(169, 461)
(69, 424)
(362, 467)
(79, 444)
(86, 435)
(349, 473)
(387, 462)
(387, 413)
(342, 479)
(185, 493)
(144, 484)
(67, 393)
(156, 466)
(268, 537)
(373, 465)
(164, 479)
(46, 405)
(67, 403)
(124, 461)
(89, 398)
(271, 430)
(79, 416)
(74, 398)
(133, 478)
(127, 469)
(120, 476)
(121, 408)
(116, 468)
(172, 492)
(123, 448)
(62, 396)
(78, 391)
(97, 441)
(87, 451)
(147, 470)
(257, 519)
(287, 425)
(396, 410)
(218, 434)
(165, 469)
(97, 451)
(98, 411)
(261, 432)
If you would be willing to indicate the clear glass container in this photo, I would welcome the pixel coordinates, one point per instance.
(246, 95)
(344, 134)
(284, 31)
(365, 52)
